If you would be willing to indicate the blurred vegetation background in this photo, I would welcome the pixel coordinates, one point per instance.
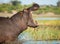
(17, 6)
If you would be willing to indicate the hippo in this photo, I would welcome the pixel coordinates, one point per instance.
(11, 28)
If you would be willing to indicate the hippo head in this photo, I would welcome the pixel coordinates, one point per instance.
(35, 7)
(30, 20)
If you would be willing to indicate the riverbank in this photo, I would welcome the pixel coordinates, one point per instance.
(49, 14)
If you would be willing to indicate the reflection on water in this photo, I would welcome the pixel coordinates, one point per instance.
(25, 36)
(53, 18)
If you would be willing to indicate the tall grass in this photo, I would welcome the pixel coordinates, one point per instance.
(49, 31)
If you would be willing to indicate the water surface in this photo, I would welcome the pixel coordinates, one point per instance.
(42, 42)
(47, 18)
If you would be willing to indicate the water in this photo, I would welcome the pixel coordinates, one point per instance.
(47, 18)
(41, 42)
